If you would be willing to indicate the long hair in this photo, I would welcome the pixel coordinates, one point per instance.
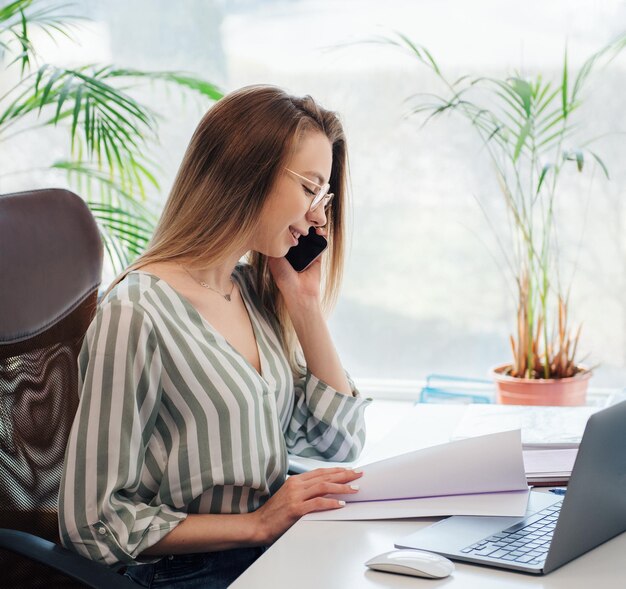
(233, 160)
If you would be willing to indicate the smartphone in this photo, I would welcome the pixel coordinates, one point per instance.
(309, 247)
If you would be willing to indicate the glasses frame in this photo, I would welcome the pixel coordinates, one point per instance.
(322, 196)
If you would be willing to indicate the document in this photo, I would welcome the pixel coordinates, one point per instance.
(478, 476)
(484, 464)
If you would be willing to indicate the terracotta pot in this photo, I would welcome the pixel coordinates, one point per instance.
(531, 391)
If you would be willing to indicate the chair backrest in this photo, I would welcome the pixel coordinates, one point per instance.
(50, 270)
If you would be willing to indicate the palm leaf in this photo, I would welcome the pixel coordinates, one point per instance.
(601, 163)
(544, 101)
(94, 176)
(126, 225)
(556, 137)
(575, 155)
(564, 80)
(548, 121)
(612, 50)
(17, 17)
(183, 80)
(523, 91)
(419, 52)
(544, 170)
(515, 113)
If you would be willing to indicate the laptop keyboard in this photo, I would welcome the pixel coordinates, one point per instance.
(526, 542)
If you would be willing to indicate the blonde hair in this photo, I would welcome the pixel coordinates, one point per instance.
(233, 160)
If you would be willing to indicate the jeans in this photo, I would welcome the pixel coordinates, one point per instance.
(210, 570)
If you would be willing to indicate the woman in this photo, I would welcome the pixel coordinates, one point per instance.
(193, 386)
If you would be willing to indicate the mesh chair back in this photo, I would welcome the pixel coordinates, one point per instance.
(50, 268)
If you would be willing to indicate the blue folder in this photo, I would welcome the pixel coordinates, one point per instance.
(440, 388)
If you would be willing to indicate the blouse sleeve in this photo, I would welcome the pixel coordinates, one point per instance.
(100, 515)
(326, 424)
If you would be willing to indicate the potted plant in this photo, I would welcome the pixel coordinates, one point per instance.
(525, 125)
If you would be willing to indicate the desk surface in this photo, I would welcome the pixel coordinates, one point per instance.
(329, 555)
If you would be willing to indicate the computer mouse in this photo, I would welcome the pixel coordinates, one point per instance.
(412, 562)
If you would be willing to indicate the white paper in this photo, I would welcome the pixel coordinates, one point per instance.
(511, 504)
(554, 427)
(548, 463)
(484, 464)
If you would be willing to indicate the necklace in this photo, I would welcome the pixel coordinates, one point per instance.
(205, 285)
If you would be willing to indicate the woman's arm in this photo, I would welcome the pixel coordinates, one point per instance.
(321, 357)
(120, 381)
(301, 293)
(299, 495)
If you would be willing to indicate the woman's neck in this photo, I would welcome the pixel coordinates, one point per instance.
(216, 275)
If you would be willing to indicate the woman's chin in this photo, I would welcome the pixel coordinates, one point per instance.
(279, 251)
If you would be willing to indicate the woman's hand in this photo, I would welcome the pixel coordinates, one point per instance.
(302, 494)
(298, 287)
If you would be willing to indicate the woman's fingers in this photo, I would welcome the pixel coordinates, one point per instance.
(336, 481)
(325, 472)
(327, 488)
(321, 504)
(319, 472)
(340, 477)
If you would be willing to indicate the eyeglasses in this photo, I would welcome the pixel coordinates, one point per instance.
(321, 197)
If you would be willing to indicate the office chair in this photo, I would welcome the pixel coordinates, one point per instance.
(50, 267)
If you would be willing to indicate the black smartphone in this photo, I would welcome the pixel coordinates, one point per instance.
(309, 247)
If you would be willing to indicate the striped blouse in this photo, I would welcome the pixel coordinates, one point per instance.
(173, 420)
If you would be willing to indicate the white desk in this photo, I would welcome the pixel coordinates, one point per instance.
(329, 555)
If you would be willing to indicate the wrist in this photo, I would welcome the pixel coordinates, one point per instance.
(304, 307)
(259, 535)
(305, 318)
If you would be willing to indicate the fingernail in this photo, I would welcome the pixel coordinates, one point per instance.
(341, 503)
(357, 471)
(355, 487)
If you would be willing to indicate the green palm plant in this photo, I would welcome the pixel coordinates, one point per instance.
(109, 131)
(526, 126)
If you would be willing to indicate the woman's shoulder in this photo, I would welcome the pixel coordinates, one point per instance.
(131, 290)
(125, 309)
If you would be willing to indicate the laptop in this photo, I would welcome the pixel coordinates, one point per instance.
(555, 529)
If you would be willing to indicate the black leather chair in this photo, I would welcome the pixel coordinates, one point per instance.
(50, 270)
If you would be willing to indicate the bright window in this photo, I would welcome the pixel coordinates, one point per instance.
(423, 292)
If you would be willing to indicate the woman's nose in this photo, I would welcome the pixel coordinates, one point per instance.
(317, 217)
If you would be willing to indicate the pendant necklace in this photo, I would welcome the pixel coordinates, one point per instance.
(225, 296)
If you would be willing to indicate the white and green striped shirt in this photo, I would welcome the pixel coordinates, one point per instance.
(173, 420)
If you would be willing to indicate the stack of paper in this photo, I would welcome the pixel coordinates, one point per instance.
(549, 467)
(478, 476)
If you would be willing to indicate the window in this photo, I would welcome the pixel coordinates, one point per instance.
(423, 291)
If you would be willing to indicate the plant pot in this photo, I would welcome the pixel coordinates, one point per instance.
(549, 391)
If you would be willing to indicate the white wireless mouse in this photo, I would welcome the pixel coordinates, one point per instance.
(412, 562)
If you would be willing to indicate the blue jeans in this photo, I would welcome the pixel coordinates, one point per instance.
(210, 570)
